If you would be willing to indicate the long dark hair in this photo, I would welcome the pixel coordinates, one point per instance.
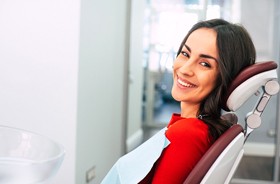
(236, 51)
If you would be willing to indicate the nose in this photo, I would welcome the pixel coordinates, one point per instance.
(188, 67)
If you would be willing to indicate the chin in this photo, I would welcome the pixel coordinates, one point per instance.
(174, 96)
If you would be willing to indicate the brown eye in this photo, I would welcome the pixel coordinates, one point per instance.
(185, 54)
(205, 64)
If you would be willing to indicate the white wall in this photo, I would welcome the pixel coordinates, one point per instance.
(62, 75)
(39, 42)
(261, 30)
(136, 75)
(103, 55)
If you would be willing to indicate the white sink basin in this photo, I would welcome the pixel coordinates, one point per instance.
(27, 158)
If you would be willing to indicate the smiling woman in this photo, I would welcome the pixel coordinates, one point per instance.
(195, 71)
(209, 57)
(235, 51)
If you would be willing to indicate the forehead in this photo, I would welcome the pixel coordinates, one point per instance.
(203, 41)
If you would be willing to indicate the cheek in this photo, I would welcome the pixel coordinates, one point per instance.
(175, 68)
(176, 64)
(209, 81)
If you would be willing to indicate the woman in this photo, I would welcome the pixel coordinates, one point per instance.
(210, 56)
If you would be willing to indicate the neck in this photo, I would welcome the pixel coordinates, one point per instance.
(189, 110)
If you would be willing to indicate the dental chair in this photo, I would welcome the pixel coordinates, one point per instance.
(220, 162)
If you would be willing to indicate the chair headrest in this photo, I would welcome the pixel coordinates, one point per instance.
(247, 82)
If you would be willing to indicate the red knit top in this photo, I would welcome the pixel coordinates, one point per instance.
(189, 140)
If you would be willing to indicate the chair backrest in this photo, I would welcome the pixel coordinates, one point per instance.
(219, 163)
(205, 163)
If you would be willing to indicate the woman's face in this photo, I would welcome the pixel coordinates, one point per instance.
(195, 69)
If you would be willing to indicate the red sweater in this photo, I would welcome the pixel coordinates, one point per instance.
(189, 140)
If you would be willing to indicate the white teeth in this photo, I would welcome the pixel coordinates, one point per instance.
(185, 84)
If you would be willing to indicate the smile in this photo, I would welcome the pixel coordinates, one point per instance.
(183, 83)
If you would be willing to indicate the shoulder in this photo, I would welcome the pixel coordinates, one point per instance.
(188, 124)
(188, 128)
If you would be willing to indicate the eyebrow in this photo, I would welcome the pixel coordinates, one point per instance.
(201, 55)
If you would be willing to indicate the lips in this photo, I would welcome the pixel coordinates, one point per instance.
(185, 83)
